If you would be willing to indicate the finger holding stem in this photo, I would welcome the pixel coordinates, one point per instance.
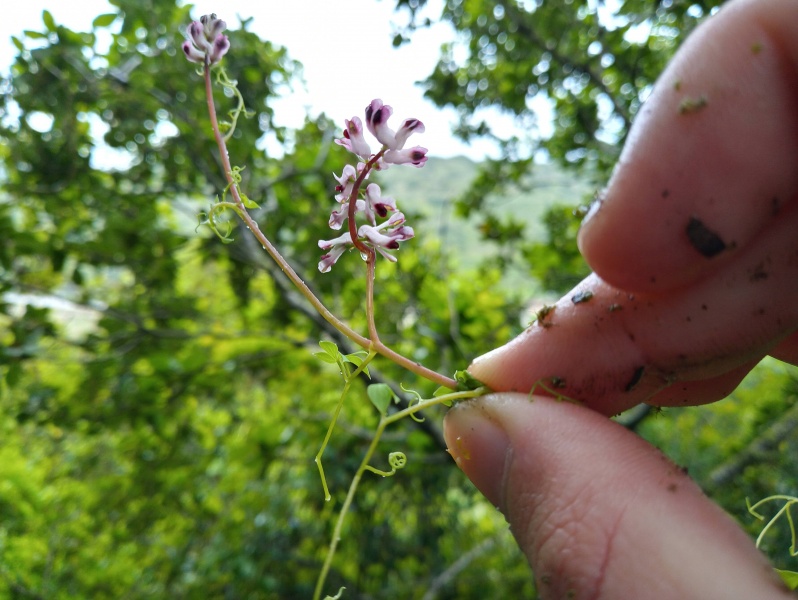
(385, 420)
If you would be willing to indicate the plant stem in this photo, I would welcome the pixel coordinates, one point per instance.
(370, 253)
(348, 379)
(371, 343)
(364, 466)
(371, 266)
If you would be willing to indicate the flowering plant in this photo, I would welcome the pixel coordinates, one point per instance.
(370, 236)
(374, 227)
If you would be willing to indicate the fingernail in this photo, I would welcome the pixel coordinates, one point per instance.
(589, 218)
(480, 447)
(490, 367)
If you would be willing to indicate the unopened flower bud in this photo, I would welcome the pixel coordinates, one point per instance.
(206, 41)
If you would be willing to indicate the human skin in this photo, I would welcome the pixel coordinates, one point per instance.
(694, 248)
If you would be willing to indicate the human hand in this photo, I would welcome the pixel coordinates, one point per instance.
(694, 245)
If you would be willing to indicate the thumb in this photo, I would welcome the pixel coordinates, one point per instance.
(599, 512)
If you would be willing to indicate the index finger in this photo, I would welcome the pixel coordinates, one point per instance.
(712, 159)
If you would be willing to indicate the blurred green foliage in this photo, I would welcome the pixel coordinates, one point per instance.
(160, 405)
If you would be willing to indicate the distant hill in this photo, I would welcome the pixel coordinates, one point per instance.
(432, 190)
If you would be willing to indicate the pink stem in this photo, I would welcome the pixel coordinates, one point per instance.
(366, 343)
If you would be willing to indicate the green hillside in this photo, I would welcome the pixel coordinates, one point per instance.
(431, 192)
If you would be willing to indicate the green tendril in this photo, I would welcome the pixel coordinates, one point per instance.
(417, 399)
(397, 460)
(222, 229)
(789, 502)
(331, 354)
(790, 578)
(232, 86)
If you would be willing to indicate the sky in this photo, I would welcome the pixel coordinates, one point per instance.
(344, 45)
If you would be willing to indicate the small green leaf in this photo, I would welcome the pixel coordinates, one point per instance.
(103, 20)
(789, 577)
(18, 43)
(330, 348)
(442, 391)
(249, 203)
(380, 395)
(324, 357)
(356, 358)
(35, 35)
(467, 382)
(48, 20)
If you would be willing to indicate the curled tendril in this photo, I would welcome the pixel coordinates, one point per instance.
(790, 578)
(789, 502)
(223, 229)
(418, 399)
(235, 176)
(232, 86)
(337, 596)
(397, 460)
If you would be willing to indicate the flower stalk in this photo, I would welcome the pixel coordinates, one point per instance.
(213, 52)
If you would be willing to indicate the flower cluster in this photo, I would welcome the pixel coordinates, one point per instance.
(369, 201)
(206, 40)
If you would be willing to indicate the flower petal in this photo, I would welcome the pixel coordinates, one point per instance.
(220, 47)
(341, 240)
(377, 115)
(191, 52)
(416, 156)
(328, 260)
(353, 139)
(409, 127)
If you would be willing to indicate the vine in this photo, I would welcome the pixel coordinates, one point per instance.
(380, 230)
(789, 577)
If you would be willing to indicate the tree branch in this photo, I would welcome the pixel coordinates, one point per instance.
(580, 66)
(757, 450)
(447, 576)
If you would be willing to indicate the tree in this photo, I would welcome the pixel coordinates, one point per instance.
(162, 444)
(165, 447)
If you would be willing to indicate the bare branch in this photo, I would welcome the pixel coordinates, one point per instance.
(756, 451)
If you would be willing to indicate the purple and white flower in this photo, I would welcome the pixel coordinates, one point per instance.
(415, 156)
(336, 248)
(376, 203)
(206, 40)
(388, 235)
(369, 202)
(353, 139)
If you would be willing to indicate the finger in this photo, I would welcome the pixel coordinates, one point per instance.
(703, 391)
(615, 350)
(787, 350)
(598, 512)
(711, 160)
